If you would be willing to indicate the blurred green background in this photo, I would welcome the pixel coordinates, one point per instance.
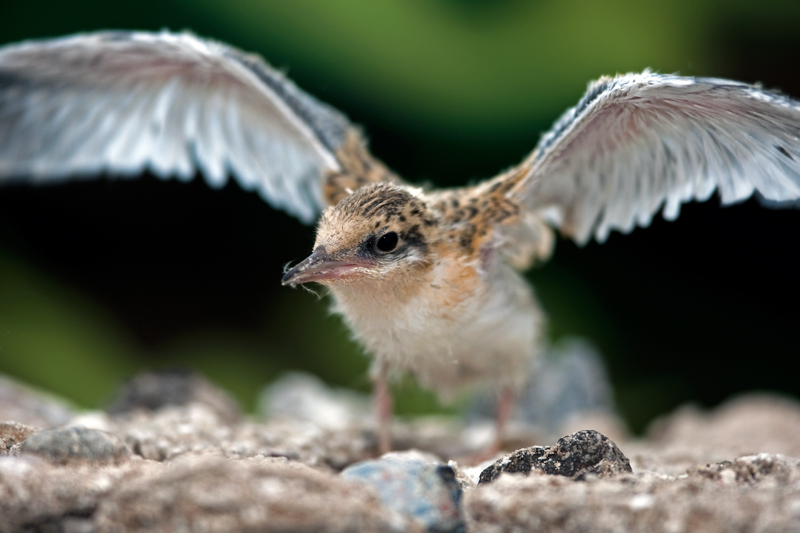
(100, 279)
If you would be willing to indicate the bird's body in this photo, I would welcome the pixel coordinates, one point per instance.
(451, 309)
(453, 312)
(439, 300)
(428, 280)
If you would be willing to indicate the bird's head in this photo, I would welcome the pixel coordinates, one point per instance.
(381, 232)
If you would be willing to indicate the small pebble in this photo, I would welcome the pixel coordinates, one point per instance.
(65, 445)
(12, 434)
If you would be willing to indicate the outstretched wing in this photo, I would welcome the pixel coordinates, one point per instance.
(123, 102)
(637, 142)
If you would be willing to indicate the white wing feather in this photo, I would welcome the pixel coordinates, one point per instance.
(638, 142)
(123, 102)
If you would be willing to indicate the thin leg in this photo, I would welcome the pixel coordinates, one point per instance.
(383, 409)
(505, 405)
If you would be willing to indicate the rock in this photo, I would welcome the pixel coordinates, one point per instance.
(173, 431)
(40, 496)
(746, 424)
(754, 494)
(155, 390)
(191, 493)
(301, 396)
(194, 493)
(749, 470)
(28, 406)
(577, 456)
(12, 434)
(209, 473)
(213, 494)
(75, 445)
(416, 486)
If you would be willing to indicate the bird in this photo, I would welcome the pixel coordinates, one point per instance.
(428, 280)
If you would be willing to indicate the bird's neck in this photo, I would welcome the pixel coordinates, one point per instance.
(402, 303)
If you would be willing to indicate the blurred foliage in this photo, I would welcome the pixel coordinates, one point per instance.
(100, 279)
(54, 337)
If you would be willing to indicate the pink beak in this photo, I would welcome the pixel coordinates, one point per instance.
(319, 267)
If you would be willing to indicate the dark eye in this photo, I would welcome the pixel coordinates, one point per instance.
(387, 242)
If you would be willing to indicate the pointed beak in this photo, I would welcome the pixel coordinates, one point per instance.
(320, 267)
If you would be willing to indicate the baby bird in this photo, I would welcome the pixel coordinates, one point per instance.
(429, 281)
(421, 281)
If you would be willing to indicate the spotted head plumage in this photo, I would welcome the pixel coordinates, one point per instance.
(380, 231)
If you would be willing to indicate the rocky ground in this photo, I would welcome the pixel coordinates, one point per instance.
(174, 453)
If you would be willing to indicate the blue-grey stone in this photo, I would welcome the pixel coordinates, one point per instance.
(64, 445)
(414, 487)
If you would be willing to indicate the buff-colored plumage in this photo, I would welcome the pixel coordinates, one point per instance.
(437, 308)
